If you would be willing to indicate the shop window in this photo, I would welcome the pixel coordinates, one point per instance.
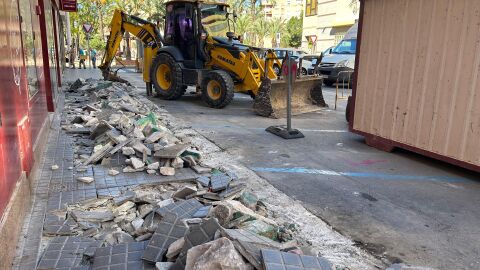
(29, 49)
(310, 8)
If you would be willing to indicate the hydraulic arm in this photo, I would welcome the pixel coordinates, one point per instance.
(146, 31)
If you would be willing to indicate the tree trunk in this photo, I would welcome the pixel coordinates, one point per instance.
(128, 51)
(100, 15)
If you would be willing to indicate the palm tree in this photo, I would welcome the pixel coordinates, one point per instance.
(275, 26)
(243, 26)
(261, 29)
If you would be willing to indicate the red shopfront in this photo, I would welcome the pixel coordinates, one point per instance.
(31, 49)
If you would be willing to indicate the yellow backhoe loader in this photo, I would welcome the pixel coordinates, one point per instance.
(199, 48)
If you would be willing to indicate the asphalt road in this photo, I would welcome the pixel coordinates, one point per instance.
(400, 205)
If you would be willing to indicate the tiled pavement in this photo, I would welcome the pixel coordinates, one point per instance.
(54, 189)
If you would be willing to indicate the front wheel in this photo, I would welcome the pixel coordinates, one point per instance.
(276, 69)
(217, 89)
(166, 77)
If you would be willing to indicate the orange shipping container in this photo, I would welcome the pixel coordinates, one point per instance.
(417, 78)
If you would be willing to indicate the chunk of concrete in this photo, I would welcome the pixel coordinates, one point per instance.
(137, 223)
(171, 151)
(55, 167)
(128, 151)
(177, 163)
(184, 192)
(153, 166)
(167, 171)
(123, 208)
(92, 216)
(113, 172)
(85, 179)
(175, 248)
(219, 254)
(140, 147)
(151, 171)
(164, 265)
(137, 163)
(223, 212)
(154, 137)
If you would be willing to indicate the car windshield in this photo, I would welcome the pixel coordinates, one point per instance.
(346, 46)
(214, 20)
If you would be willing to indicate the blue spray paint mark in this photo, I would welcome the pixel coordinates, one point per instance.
(382, 176)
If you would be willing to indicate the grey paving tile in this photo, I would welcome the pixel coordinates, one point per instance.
(202, 212)
(66, 252)
(274, 259)
(203, 180)
(250, 237)
(197, 236)
(56, 226)
(183, 209)
(60, 200)
(169, 229)
(219, 181)
(123, 256)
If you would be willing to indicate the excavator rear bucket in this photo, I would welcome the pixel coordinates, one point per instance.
(271, 100)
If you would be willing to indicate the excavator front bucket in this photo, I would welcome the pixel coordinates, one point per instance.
(271, 100)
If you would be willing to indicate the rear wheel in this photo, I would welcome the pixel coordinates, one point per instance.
(304, 72)
(328, 83)
(166, 76)
(276, 69)
(217, 89)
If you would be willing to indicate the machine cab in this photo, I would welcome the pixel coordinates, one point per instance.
(187, 25)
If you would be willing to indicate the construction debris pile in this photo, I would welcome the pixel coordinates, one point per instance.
(209, 221)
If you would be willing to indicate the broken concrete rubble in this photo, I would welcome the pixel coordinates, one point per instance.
(143, 212)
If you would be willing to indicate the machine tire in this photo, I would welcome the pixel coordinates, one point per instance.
(169, 87)
(328, 83)
(217, 89)
(277, 70)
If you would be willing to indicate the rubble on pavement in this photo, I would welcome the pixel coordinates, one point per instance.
(211, 221)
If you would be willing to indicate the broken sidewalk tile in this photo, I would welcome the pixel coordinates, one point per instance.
(251, 252)
(92, 216)
(232, 192)
(201, 170)
(219, 182)
(203, 180)
(122, 256)
(120, 146)
(96, 156)
(198, 235)
(170, 229)
(183, 192)
(249, 199)
(100, 129)
(123, 208)
(249, 237)
(202, 212)
(140, 148)
(261, 228)
(66, 252)
(183, 209)
(154, 137)
(171, 152)
(274, 259)
(73, 130)
(193, 153)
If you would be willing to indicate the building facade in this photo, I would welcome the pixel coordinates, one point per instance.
(281, 9)
(325, 22)
(31, 49)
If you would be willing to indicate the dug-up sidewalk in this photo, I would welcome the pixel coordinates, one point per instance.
(123, 185)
